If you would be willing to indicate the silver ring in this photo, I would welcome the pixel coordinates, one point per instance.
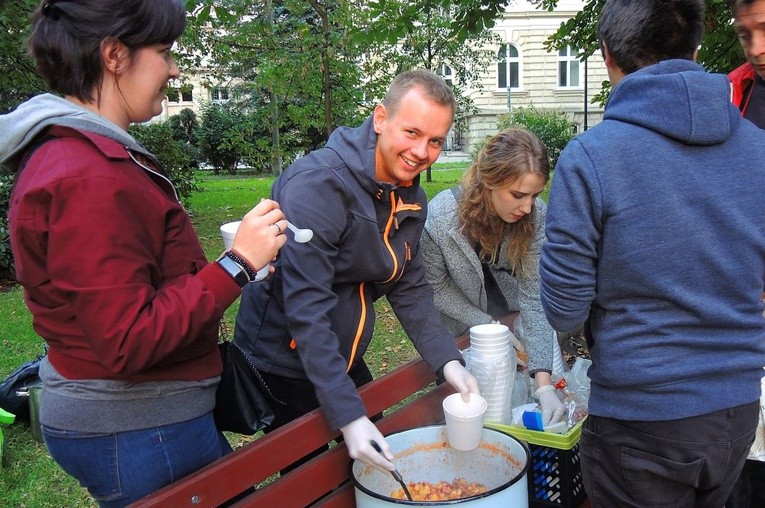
(277, 227)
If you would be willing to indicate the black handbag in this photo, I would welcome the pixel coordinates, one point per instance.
(243, 400)
(14, 391)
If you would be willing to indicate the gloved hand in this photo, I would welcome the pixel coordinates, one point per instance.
(359, 435)
(461, 379)
(553, 410)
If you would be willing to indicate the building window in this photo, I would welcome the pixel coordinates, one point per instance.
(172, 94)
(448, 74)
(568, 68)
(219, 94)
(187, 93)
(508, 67)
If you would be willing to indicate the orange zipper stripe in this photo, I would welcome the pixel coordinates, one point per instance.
(360, 328)
(387, 233)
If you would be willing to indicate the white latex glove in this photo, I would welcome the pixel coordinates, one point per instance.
(553, 410)
(461, 379)
(359, 435)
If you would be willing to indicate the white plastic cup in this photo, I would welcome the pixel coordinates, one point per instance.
(228, 232)
(262, 273)
(464, 421)
(493, 351)
(490, 331)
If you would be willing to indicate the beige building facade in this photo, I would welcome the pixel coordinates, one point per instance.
(554, 80)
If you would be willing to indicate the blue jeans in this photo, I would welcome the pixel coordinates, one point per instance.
(118, 469)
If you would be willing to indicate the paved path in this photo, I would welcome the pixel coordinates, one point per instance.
(449, 156)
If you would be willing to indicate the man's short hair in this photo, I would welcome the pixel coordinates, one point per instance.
(638, 33)
(735, 4)
(433, 86)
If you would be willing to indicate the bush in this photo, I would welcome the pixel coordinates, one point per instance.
(184, 125)
(216, 131)
(551, 126)
(172, 154)
(6, 258)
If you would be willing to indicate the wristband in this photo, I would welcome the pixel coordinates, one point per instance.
(241, 262)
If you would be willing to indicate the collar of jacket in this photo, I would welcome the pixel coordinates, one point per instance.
(113, 150)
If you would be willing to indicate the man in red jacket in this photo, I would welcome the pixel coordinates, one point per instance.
(748, 81)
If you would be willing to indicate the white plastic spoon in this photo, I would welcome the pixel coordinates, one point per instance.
(301, 235)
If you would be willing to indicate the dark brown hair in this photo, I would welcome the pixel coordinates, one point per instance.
(67, 35)
(639, 33)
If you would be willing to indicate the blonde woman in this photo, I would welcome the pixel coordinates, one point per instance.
(481, 247)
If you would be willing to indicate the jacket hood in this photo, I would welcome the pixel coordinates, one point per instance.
(356, 148)
(678, 99)
(20, 127)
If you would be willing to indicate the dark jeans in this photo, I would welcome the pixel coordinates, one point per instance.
(299, 397)
(749, 491)
(691, 462)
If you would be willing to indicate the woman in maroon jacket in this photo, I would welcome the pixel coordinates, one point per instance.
(112, 270)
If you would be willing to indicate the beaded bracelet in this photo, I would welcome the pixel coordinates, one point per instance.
(245, 265)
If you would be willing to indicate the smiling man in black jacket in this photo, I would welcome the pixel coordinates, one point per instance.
(307, 328)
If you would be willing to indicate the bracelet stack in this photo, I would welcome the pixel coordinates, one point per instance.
(241, 262)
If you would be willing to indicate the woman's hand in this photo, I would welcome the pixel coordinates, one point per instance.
(261, 234)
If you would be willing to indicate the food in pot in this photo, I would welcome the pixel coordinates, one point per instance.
(441, 491)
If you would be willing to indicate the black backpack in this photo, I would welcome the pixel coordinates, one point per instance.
(14, 391)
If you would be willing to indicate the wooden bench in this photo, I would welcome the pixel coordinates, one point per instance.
(322, 481)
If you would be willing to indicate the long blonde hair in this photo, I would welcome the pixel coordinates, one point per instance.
(505, 157)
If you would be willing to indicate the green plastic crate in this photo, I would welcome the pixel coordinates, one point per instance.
(560, 441)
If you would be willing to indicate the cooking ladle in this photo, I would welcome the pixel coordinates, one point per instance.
(396, 475)
(301, 235)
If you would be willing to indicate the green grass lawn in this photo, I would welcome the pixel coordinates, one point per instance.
(29, 477)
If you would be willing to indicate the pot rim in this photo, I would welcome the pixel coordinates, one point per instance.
(521, 474)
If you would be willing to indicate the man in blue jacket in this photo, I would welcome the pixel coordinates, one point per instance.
(306, 329)
(656, 239)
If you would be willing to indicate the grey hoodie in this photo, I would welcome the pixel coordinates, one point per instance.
(20, 127)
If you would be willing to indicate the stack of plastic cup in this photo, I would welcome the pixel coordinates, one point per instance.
(490, 343)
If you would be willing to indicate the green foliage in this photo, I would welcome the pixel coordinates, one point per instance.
(184, 125)
(468, 17)
(552, 127)
(399, 35)
(294, 74)
(217, 138)
(18, 79)
(720, 49)
(172, 154)
(6, 258)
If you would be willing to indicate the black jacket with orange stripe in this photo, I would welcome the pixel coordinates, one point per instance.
(314, 317)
